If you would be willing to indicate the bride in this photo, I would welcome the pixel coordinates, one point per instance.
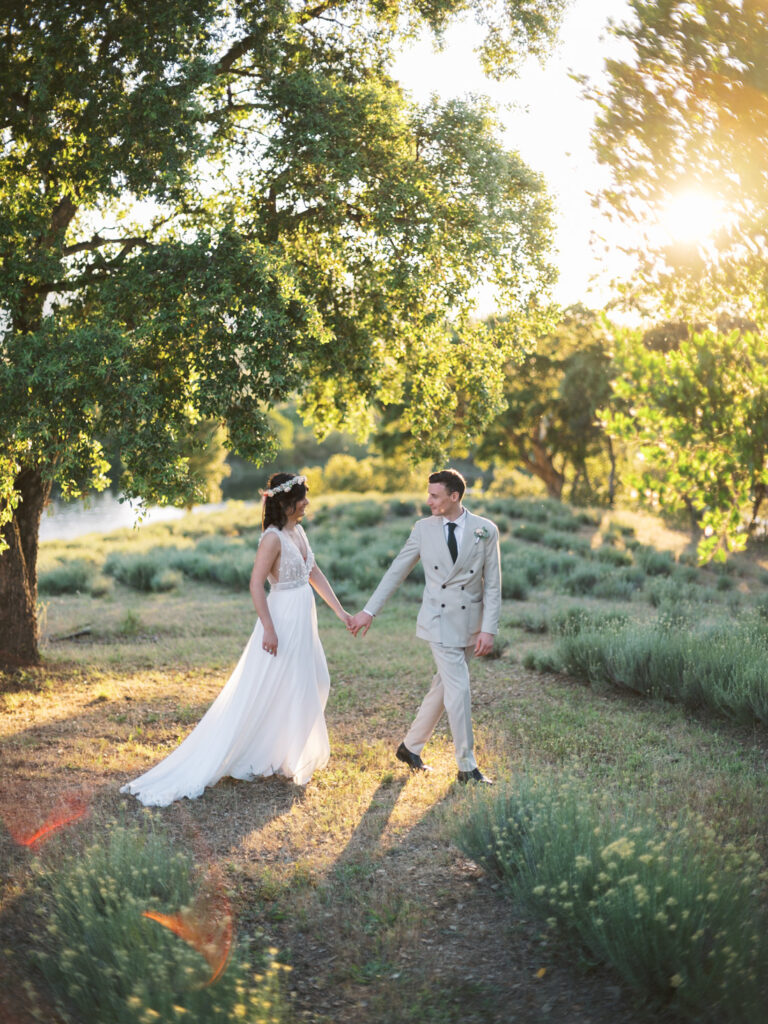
(268, 719)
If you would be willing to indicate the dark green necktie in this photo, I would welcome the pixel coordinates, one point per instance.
(452, 547)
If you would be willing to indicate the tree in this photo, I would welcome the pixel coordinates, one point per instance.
(688, 108)
(549, 427)
(696, 414)
(209, 205)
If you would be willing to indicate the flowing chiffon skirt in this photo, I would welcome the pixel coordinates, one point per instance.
(268, 719)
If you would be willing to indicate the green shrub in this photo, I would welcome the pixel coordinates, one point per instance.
(165, 580)
(75, 577)
(138, 570)
(564, 520)
(680, 919)
(403, 508)
(531, 532)
(544, 567)
(565, 542)
(653, 562)
(541, 661)
(673, 590)
(583, 581)
(615, 588)
(612, 556)
(531, 622)
(514, 586)
(366, 513)
(722, 668)
(686, 573)
(108, 964)
(571, 621)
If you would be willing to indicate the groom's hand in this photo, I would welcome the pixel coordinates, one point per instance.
(360, 621)
(483, 644)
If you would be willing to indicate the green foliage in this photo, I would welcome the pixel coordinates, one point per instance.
(199, 224)
(697, 417)
(106, 963)
(239, 289)
(685, 107)
(71, 577)
(719, 667)
(346, 473)
(682, 921)
(549, 427)
(215, 560)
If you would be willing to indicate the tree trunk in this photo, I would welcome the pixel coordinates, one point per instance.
(612, 474)
(760, 491)
(18, 573)
(538, 461)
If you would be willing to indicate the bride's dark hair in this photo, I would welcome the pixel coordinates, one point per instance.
(276, 506)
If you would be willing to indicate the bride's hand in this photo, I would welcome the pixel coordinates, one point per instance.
(269, 641)
(345, 617)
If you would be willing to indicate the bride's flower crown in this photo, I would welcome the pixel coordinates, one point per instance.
(272, 491)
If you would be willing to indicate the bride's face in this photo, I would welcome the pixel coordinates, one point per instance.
(295, 513)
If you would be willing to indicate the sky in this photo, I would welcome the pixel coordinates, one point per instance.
(547, 121)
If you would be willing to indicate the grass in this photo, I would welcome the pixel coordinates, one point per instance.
(357, 880)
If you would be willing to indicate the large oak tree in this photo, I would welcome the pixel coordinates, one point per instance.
(208, 205)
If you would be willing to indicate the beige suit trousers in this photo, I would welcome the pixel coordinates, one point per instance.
(450, 691)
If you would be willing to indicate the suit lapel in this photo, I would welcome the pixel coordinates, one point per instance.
(440, 545)
(467, 539)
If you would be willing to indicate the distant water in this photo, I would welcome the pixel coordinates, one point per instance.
(100, 514)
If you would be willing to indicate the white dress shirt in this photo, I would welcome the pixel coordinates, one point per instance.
(459, 531)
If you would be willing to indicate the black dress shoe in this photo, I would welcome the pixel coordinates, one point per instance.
(474, 776)
(413, 761)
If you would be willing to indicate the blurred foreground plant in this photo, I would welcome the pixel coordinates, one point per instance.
(681, 918)
(107, 958)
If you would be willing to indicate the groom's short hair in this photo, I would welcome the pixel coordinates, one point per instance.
(451, 478)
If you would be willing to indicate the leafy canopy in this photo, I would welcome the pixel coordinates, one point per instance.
(697, 417)
(207, 206)
(549, 426)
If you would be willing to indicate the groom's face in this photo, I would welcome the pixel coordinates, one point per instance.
(441, 501)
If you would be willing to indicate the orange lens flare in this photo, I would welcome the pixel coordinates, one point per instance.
(75, 809)
(207, 927)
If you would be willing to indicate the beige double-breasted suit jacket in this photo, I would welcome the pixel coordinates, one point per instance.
(460, 599)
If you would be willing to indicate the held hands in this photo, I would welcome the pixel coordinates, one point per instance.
(361, 621)
(345, 617)
(483, 644)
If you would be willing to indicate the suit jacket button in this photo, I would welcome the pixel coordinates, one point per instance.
(462, 588)
(435, 566)
(444, 587)
(471, 570)
(442, 606)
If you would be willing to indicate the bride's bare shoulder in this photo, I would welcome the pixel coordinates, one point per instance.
(270, 539)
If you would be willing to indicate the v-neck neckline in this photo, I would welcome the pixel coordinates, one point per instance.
(288, 537)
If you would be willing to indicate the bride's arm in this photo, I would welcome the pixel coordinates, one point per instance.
(325, 590)
(266, 557)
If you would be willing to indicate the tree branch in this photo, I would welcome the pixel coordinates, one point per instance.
(97, 242)
(225, 64)
(314, 12)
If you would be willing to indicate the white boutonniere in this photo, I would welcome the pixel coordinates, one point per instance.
(481, 534)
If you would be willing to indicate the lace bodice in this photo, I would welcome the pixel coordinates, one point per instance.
(294, 571)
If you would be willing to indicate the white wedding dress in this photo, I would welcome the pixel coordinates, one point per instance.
(268, 719)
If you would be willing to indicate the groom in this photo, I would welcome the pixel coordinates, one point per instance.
(459, 612)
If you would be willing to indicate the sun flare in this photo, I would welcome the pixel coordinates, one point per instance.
(692, 215)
